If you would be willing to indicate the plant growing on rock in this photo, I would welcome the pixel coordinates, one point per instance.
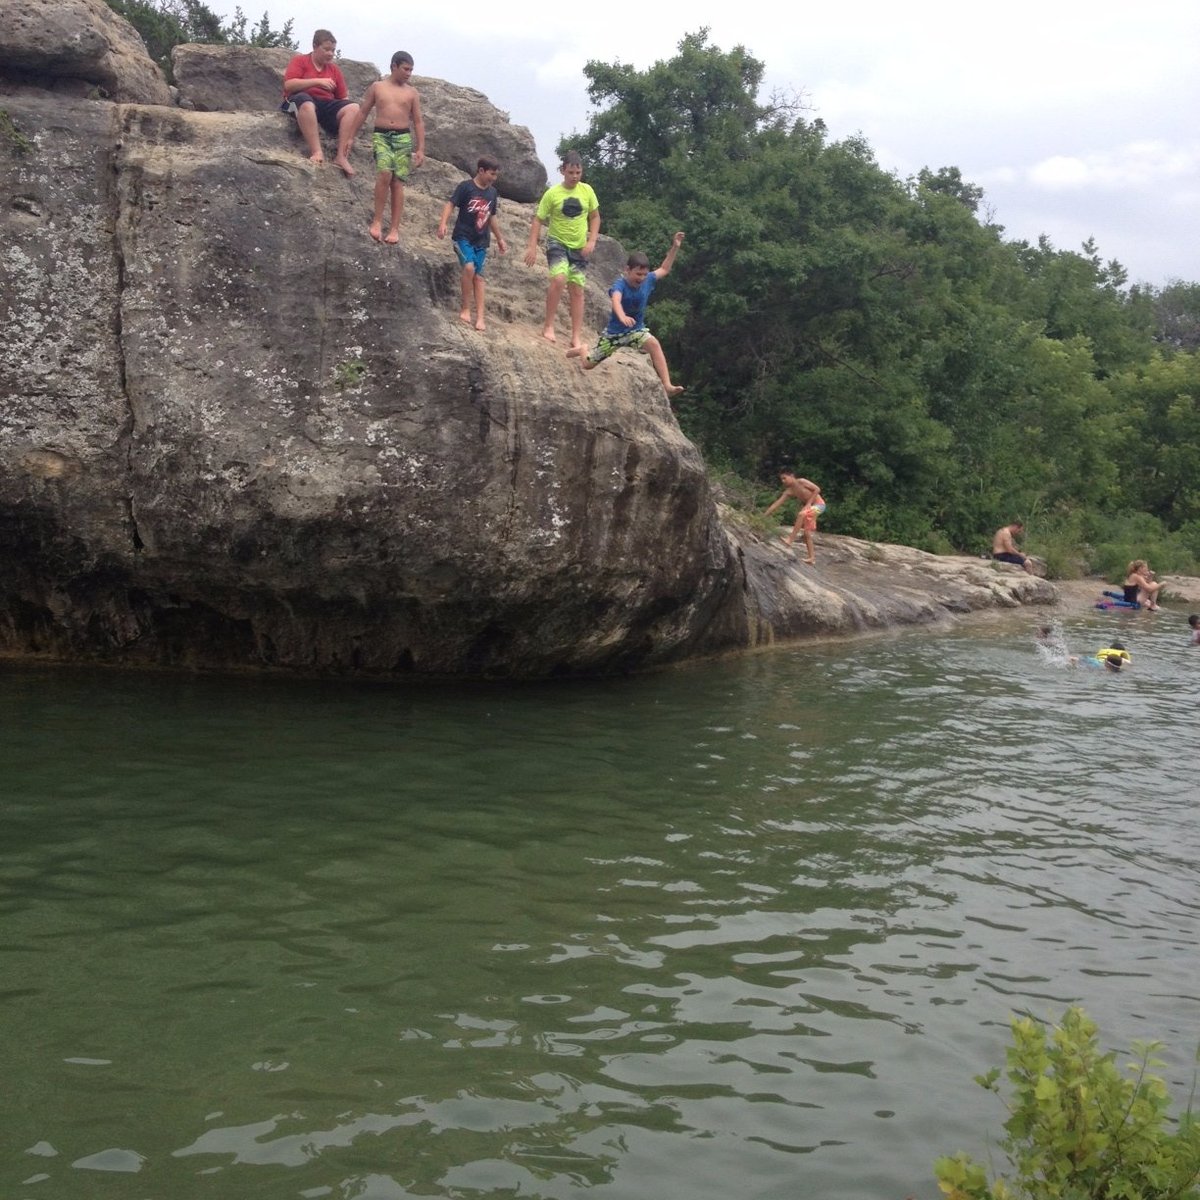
(349, 374)
(19, 142)
(1080, 1127)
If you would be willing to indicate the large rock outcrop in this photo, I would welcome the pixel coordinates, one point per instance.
(234, 431)
(460, 123)
(78, 47)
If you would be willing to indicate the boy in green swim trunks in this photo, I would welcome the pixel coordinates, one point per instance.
(398, 140)
(571, 214)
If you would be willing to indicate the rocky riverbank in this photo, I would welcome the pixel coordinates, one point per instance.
(235, 432)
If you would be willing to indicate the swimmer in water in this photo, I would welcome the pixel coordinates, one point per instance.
(1051, 646)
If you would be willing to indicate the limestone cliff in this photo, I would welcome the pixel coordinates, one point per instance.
(234, 431)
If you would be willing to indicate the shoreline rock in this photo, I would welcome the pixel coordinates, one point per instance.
(237, 433)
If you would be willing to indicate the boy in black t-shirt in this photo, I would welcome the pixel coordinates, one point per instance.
(477, 201)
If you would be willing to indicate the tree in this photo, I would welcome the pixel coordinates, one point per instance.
(164, 24)
(933, 376)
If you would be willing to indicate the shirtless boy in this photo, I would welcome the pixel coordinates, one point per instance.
(315, 91)
(1004, 549)
(398, 140)
(808, 495)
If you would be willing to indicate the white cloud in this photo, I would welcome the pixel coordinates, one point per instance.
(1139, 166)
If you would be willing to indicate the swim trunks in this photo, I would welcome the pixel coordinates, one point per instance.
(1018, 560)
(609, 343)
(1131, 592)
(809, 514)
(393, 152)
(564, 261)
(470, 255)
(327, 110)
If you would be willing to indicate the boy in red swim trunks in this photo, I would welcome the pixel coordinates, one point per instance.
(812, 505)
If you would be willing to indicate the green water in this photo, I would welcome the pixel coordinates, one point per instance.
(744, 930)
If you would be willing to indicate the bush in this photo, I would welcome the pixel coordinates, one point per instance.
(1079, 1127)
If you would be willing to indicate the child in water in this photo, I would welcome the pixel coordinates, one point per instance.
(1194, 622)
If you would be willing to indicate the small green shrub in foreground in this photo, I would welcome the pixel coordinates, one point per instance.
(1080, 1127)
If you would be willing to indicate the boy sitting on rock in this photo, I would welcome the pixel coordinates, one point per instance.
(315, 92)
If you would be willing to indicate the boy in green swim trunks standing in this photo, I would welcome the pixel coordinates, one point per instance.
(571, 214)
(398, 140)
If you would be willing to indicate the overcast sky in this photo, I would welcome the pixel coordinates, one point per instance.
(1078, 119)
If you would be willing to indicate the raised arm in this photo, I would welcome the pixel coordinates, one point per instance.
(664, 268)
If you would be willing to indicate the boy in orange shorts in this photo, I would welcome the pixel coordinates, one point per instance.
(808, 494)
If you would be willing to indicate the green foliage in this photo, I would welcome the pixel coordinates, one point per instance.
(349, 374)
(878, 334)
(164, 24)
(1080, 1127)
(12, 135)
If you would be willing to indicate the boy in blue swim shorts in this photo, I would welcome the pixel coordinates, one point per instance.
(398, 141)
(571, 214)
(476, 200)
(626, 327)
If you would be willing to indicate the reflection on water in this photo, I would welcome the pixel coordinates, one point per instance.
(743, 930)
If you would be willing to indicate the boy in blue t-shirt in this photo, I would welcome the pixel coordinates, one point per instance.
(627, 325)
(477, 201)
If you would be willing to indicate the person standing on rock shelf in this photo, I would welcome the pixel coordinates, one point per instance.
(1004, 548)
(315, 92)
(812, 505)
(571, 214)
(626, 326)
(398, 141)
(476, 200)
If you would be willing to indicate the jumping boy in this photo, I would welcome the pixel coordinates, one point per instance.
(571, 214)
(398, 121)
(808, 494)
(476, 200)
(315, 92)
(627, 324)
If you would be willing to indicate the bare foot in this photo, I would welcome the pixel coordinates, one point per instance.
(812, 562)
(674, 391)
(787, 541)
(347, 169)
(548, 334)
(465, 316)
(393, 237)
(318, 158)
(479, 325)
(575, 352)
(376, 231)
